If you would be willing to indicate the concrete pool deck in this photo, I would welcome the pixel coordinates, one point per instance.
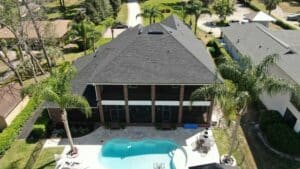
(89, 146)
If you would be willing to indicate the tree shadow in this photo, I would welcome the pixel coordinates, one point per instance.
(50, 163)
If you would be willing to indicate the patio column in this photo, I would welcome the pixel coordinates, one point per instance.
(181, 95)
(210, 111)
(125, 89)
(153, 103)
(99, 100)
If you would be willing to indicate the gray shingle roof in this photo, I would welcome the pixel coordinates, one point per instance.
(161, 53)
(256, 41)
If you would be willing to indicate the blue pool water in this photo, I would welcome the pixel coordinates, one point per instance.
(127, 154)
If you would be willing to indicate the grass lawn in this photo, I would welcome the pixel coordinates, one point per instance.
(123, 14)
(46, 158)
(17, 156)
(53, 9)
(242, 153)
(290, 6)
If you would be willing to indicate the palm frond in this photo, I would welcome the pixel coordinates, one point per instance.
(230, 71)
(49, 95)
(262, 68)
(274, 85)
(75, 101)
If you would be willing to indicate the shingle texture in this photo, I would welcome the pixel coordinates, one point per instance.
(257, 42)
(161, 53)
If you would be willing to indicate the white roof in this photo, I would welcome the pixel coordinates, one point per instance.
(259, 16)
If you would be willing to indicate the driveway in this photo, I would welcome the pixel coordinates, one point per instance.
(133, 10)
(205, 21)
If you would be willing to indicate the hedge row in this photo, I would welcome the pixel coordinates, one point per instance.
(284, 25)
(9, 134)
(218, 52)
(279, 135)
(41, 126)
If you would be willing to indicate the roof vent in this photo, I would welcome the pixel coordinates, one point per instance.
(150, 32)
(290, 52)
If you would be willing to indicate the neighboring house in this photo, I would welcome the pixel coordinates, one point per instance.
(260, 17)
(11, 104)
(145, 76)
(48, 29)
(256, 41)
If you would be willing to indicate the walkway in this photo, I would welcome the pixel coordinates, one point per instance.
(281, 14)
(206, 21)
(133, 10)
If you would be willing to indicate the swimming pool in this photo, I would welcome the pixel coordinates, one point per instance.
(127, 154)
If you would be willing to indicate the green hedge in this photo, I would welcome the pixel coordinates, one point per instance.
(10, 133)
(267, 118)
(284, 25)
(279, 134)
(218, 52)
(253, 7)
(41, 126)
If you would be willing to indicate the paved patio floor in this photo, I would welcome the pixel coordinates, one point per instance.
(90, 145)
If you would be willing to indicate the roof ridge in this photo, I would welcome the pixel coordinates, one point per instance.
(200, 61)
(282, 43)
(108, 47)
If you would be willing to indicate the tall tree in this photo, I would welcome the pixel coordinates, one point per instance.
(7, 61)
(84, 34)
(246, 83)
(271, 4)
(98, 10)
(115, 4)
(151, 12)
(58, 91)
(224, 8)
(62, 5)
(111, 23)
(196, 8)
(38, 33)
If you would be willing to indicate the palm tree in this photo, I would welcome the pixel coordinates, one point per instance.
(271, 4)
(246, 82)
(59, 92)
(111, 23)
(84, 34)
(151, 12)
(196, 8)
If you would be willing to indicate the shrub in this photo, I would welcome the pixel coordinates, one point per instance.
(268, 118)
(218, 52)
(283, 138)
(41, 126)
(284, 25)
(10, 133)
(278, 133)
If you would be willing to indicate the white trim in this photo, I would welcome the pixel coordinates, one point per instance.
(157, 103)
(113, 102)
(166, 103)
(140, 103)
(196, 103)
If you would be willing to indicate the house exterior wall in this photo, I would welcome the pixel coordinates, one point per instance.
(6, 121)
(279, 102)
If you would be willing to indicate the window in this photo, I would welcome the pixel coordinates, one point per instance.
(289, 118)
